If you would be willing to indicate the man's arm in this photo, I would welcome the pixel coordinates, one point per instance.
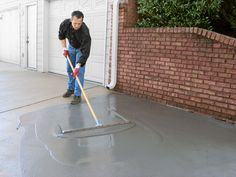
(63, 43)
(62, 34)
(65, 50)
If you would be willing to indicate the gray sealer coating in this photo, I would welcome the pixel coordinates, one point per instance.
(166, 142)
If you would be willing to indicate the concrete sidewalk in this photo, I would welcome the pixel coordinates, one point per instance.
(166, 142)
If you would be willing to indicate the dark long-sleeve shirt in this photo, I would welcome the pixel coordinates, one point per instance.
(79, 39)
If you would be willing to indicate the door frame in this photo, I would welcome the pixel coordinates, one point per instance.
(26, 34)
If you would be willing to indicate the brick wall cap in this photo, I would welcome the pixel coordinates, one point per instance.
(231, 41)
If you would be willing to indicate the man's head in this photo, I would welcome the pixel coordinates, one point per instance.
(77, 18)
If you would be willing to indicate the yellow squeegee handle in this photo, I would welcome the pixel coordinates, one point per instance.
(98, 123)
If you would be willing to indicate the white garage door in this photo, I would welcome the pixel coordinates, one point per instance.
(9, 36)
(95, 12)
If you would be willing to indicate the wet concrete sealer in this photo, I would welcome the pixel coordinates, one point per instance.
(165, 142)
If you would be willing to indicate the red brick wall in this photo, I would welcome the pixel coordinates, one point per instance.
(190, 68)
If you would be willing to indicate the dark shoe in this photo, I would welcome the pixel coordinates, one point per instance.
(68, 93)
(76, 100)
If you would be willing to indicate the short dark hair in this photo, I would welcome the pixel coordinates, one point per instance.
(78, 14)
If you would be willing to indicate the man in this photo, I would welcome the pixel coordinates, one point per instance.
(77, 33)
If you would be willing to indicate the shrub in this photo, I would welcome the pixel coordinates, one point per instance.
(178, 13)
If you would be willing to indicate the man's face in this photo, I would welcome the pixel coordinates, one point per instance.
(76, 22)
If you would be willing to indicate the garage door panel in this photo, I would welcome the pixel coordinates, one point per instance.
(97, 35)
(96, 49)
(54, 34)
(59, 66)
(57, 23)
(89, 22)
(100, 4)
(96, 60)
(95, 70)
(55, 49)
(86, 4)
(55, 8)
(9, 44)
(70, 4)
(99, 22)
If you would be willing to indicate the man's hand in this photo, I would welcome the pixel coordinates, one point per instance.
(76, 70)
(66, 53)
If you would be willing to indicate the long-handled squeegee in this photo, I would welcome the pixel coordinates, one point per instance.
(99, 128)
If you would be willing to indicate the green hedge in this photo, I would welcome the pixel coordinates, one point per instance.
(178, 13)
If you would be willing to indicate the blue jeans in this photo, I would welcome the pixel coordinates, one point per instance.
(72, 83)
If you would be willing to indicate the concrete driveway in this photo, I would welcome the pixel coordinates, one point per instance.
(165, 142)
